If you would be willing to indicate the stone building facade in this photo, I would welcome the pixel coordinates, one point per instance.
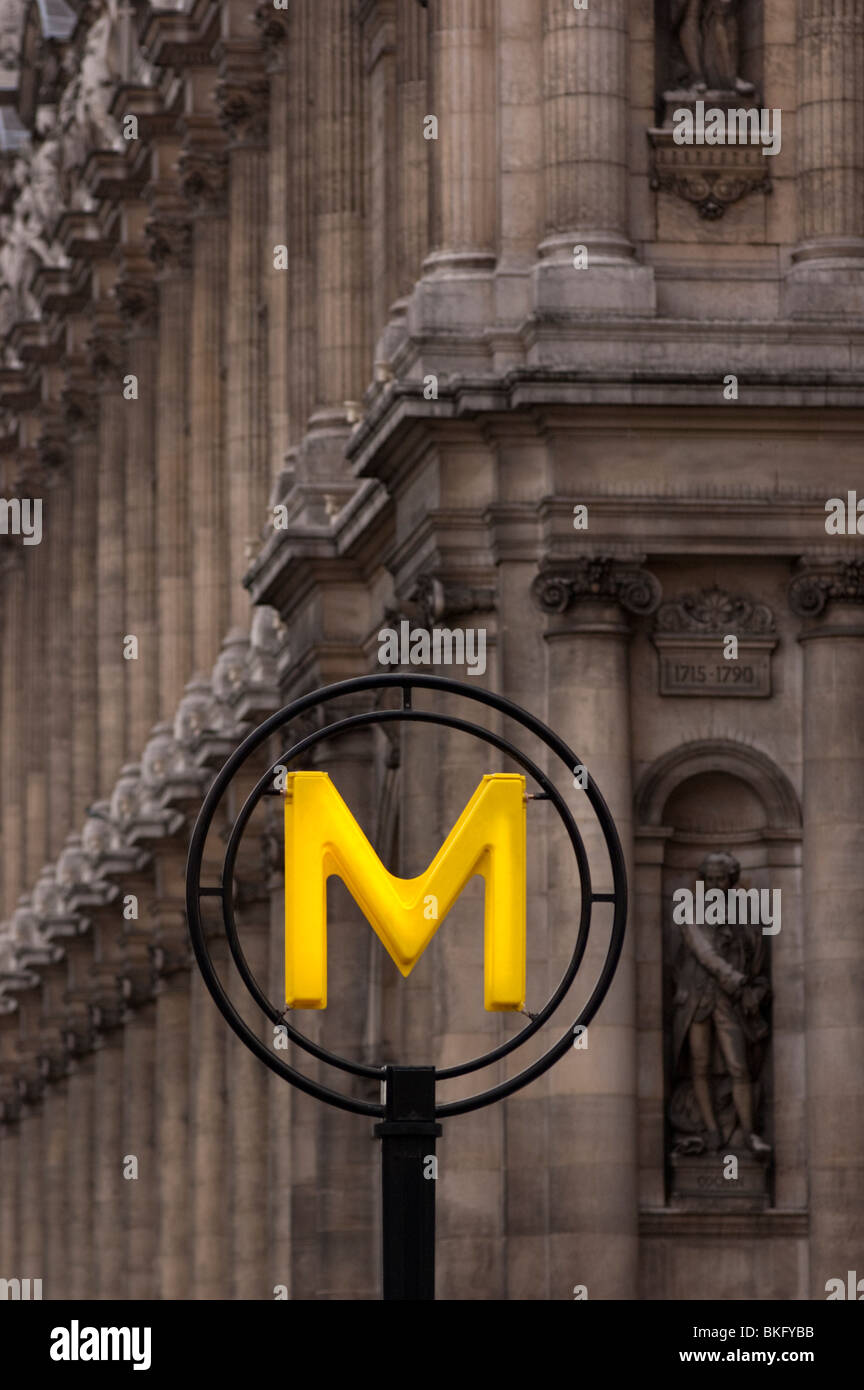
(321, 317)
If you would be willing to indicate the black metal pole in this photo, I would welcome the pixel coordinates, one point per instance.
(408, 1178)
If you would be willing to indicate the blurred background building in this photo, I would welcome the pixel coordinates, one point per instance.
(321, 317)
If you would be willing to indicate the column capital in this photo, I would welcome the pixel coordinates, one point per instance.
(170, 241)
(272, 26)
(243, 92)
(204, 178)
(821, 579)
(597, 578)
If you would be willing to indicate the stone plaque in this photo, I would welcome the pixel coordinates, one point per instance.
(696, 666)
(691, 635)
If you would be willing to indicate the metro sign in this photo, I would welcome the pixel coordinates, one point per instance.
(323, 840)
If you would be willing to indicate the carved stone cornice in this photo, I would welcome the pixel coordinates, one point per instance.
(600, 578)
(715, 611)
(821, 579)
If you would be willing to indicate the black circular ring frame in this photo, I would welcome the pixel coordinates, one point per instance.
(224, 891)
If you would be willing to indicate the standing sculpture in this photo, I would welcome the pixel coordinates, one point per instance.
(707, 33)
(718, 1028)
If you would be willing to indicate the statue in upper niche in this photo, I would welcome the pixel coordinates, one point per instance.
(707, 33)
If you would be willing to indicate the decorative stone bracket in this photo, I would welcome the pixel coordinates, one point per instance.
(711, 177)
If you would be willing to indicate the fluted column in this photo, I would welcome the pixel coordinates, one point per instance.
(9, 1204)
(412, 67)
(33, 658)
(827, 273)
(170, 251)
(343, 326)
(829, 597)
(282, 192)
(172, 959)
(109, 1185)
(204, 173)
(208, 1118)
(59, 731)
(13, 696)
(457, 283)
(520, 153)
(139, 1117)
(243, 94)
(136, 296)
(85, 735)
(299, 218)
(592, 1198)
(107, 354)
(586, 137)
(80, 1111)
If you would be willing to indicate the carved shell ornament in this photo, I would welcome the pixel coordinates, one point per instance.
(713, 611)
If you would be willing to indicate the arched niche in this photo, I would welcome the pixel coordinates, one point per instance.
(702, 797)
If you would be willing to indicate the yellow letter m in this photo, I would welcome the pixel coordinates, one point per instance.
(323, 839)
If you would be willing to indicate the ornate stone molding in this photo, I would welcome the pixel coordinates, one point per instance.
(204, 179)
(169, 242)
(136, 299)
(820, 580)
(712, 178)
(244, 107)
(438, 598)
(596, 577)
(715, 611)
(272, 24)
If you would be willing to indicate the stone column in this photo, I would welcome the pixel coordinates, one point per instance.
(204, 172)
(828, 596)
(80, 1110)
(9, 1204)
(107, 352)
(593, 1206)
(13, 694)
(456, 286)
(136, 296)
(343, 319)
(282, 192)
(243, 102)
(827, 272)
(31, 674)
(59, 732)
(84, 722)
(139, 1114)
(298, 213)
(109, 1210)
(586, 136)
(170, 250)
(520, 113)
(208, 1118)
(172, 959)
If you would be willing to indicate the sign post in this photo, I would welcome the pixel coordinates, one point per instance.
(488, 838)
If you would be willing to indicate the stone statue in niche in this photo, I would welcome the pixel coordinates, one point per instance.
(706, 32)
(718, 1029)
